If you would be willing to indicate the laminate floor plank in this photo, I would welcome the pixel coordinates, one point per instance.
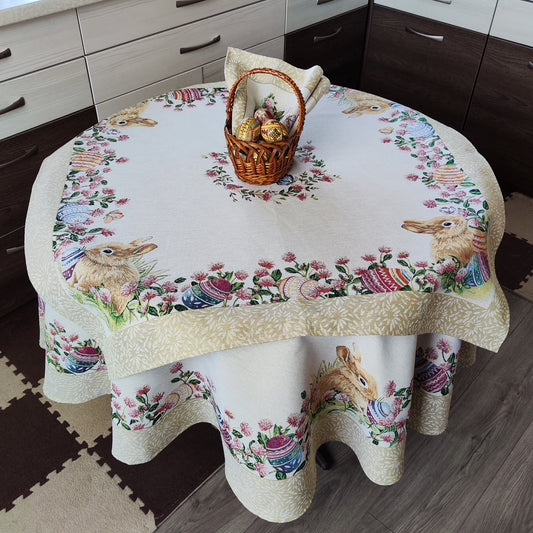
(506, 504)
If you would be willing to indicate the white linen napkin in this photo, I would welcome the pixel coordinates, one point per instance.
(266, 90)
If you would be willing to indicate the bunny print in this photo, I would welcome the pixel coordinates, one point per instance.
(109, 265)
(350, 378)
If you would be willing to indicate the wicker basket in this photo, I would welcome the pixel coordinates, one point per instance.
(262, 163)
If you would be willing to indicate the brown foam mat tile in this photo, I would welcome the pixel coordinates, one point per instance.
(514, 261)
(519, 216)
(168, 479)
(34, 445)
(83, 498)
(13, 383)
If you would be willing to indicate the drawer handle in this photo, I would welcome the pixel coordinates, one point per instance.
(530, 64)
(28, 153)
(19, 103)
(14, 250)
(438, 38)
(319, 38)
(446, 1)
(187, 49)
(320, 2)
(5, 53)
(183, 3)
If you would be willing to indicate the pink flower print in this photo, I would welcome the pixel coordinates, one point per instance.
(368, 257)
(388, 437)
(342, 260)
(107, 232)
(138, 425)
(170, 297)
(338, 284)
(129, 402)
(107, 190)
(302, 196)
(243, 294)
(443, 345)
(97, 212)
(158, 397)
(123, 137)
(435, 164)
(200, 376)
(430, 203)
(462, 213)
(87, 239)
(385, 140)
(359, 271)
(445, 194)
(229, 414)
(216, 266)
(412, 177)
(144, 389)
(261, 469)
(421, 264)
(294, 419)
(342, 397)
(460, 194)
(149, 280)
(440, 269)
(236, 444)
(300, 432)
(449, 265)
(115, 389)
(123, 201)
(385, 249)
(403, 254)
(317, 265)
(431, 353)
(420, 167)
(328, 395)
(262, 272)
(265, 424)
(199, 276)
(128, 288)
(122, 160)
(105, 295)
(433, 279)
(324, 273)
(176, 367)
(405, 148)
(265, 263)
(246, 429)
(116, 405)
(170, 286)
(266, 282)
(288, 257)
(308, 147)
(134, 413)
(461, 274)
(267, 196)
(258, 449)
(241, 275)
(211, 173)
(390, 389)
(148, 294)
(65, 346)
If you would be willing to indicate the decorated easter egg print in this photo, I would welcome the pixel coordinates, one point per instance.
(223, 428)
(449, 175)
(187, 95)
(83, 359)
(286, 180)
(273, 131)
(206, 293)
(69, 260)
(179, 395)
(113, 215)
(299, 287)
(448, 209)
(283, 453)
(74, 213)
(249, 130)
(479, 240)
(477, 270)
(263, 114)
(429, 376)
(385, 279)
(387, 130)
(86, 160)
(377, 411)
(420, 130)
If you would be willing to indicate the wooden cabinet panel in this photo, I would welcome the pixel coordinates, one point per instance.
(513, 21)
(434, 72)
(500, 120)
(17, 173)
(337, 45)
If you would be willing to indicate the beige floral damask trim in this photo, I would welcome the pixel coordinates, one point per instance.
(429, 412)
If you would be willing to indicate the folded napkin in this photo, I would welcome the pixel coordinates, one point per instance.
(266, 90)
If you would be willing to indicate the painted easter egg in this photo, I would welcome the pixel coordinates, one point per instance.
(83, 359)
(179, 395)
(272, 131)
(74, 213)
(449, 175)
(479, 240)
(113, 215)
(206, 293)
(186, 95)
(249, 130)
(286, 180)
(399, 107)
(429, 376)
(385, 279)
(69, 260)
(377, 411)
(299, 287)
(477, 270)
(262, 115)
(283, 453)
(223, 429)
(86, 160)
(420, 130)
(387, 130)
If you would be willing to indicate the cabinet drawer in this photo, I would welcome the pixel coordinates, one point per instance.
(20, 159)
(47, 94)
(15, 286)
(434, 76)
(39, 43)
(474, 15)
(500, 120)
(110, 23)
(166, 54)
(336, 45)
(302, 13)
(513, 21)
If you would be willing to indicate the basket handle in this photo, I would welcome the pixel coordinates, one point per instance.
(284, 77)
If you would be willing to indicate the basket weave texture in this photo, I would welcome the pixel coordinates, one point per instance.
(262, 163)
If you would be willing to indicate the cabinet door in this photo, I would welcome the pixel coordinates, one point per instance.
(427, 65)
(500, 120)
(336, 45)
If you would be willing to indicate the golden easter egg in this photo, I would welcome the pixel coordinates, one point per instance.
(273, 131)
(249, 130)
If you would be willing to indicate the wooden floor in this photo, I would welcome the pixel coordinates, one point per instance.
(477, 476)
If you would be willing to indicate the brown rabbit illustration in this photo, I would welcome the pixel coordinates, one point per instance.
(109, 264)
(350, 378)
(366, 104)
(131, 116)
